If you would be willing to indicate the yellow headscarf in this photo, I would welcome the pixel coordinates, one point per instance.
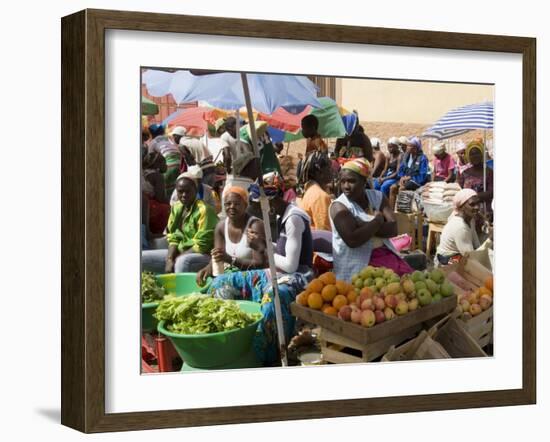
(358, 165)
(475, 144)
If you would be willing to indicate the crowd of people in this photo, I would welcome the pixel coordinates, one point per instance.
(204, 216)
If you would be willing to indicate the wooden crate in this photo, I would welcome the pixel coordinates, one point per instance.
(334, 346)
(480, 327)
(378, 332)
(447, 339)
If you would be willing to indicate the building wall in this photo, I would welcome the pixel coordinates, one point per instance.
(406, 101)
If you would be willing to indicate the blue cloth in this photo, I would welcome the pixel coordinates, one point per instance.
(385, 187)
(347, 260)
(255, 285)
(418, 171)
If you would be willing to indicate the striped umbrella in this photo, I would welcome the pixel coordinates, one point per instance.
(461, 120)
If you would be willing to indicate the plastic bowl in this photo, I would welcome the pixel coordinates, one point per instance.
(215, 350)
(179, 284)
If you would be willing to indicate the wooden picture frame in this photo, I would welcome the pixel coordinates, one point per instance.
(83, 219)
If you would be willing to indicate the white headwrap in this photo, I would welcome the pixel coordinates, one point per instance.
(375, 142)
(403, 140)
(439, 148)
(193, 173)
(393, 140)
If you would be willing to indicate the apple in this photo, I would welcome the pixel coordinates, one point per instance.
(465, 305)
(402, 308)
(413, 304)
(367, 304)
(473, 298)
(485, 301)
(420, 285)
(437, 297)
(475, 309)
(437, 276)
(358, 283)
(418, 276)
(424, 297)
(379, 304)
(389, 314)
(368, 319)
(391, 301)
(355, 315)
(380, 282)
(408, 286)
(345, 313)
(380, 316)
(446, 289)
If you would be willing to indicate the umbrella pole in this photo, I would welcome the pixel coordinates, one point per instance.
(485, 160)
(265, 214)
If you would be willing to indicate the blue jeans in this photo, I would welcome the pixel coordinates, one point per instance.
(385, 187)
(155, 261)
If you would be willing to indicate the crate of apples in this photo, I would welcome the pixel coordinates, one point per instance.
(375, 294)
(473, 303)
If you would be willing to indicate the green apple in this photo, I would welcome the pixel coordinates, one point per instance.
(420, 285)
(417, 276)
(446, 289)
(431, 286)
(424, 297)
(437, 276)
(436, 297)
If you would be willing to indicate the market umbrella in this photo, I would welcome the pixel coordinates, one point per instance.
(148, 107)
(331, 124)
(464, 119)
(265, 93)
(194, 119)
(224, 90)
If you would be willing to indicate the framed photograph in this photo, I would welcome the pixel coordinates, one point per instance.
(117, 67)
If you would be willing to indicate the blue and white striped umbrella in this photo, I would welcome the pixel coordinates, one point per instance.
(461, 120)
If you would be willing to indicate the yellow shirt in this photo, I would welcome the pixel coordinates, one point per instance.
(316, 204)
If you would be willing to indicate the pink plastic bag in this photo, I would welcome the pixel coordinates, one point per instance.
(401, 242)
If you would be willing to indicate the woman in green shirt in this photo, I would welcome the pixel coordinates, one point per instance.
(190, 232)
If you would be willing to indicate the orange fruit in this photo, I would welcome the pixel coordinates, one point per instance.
(485, 291)
(339, 301)
(302, 298)
(329, 292)
(328, 278)
(315, 286)
(315, 301)
(352, 296)
(330, 310)
(489, 283)
(342, 287)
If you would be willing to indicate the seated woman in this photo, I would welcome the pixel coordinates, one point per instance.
(444, 165)
(362, 223)
(388, 176)
(190, 232)
(472, 177)
(413, 170)
(293, 259)
(459, 235)
(204, 191)
(231, 244)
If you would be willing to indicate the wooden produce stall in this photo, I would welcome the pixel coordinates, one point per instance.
(337, 335)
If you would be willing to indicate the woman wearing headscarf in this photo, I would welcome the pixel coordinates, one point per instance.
(444, 165)
(293, 258)
(153, 166)
(190, 232)
(389, 174)
(362, 223)
(204, 191)
(231, 245)
(459, 235)
(316, 175)
(472, 178)
(461, 163)
(169, 150)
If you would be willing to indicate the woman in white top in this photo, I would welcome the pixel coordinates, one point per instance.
(459, 235)
(231, 245)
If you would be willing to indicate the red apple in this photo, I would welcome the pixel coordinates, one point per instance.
(379, 304)
(380, 316)
(355, 315)
(367, 304)
(391, 301)
(345, 313)
(475, 309)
